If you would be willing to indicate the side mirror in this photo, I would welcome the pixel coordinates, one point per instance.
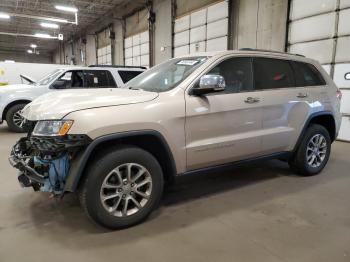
(59, 84)
(347, 76)
(209, 84)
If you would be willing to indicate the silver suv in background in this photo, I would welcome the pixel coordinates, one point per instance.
(14, 97)
(117, 147)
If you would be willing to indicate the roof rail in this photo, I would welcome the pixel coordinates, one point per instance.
(268, 51)
(118, 66)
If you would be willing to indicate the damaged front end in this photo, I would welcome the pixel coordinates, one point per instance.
(44, 162)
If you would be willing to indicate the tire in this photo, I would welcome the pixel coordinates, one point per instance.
(93, 187)
(308, 161)
(11, 122)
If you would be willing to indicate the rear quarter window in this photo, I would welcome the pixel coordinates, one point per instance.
(126, 75)
(307, 75)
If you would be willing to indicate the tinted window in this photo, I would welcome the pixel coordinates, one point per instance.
(307, 75)
(272, 73)
(126, 76)
(237, 73)
(99, 78)
(70, 79)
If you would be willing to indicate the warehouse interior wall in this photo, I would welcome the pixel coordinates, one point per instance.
(23, 57)
(254, 23)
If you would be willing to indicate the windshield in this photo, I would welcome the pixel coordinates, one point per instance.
(167, 75)
(48, 79)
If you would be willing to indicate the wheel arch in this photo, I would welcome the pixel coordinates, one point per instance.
(325, 119)
(11, 104)
(149, 140)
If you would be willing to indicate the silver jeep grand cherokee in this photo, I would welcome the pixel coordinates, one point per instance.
(117, 147)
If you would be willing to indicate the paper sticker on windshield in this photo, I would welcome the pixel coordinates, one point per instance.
(187, 62)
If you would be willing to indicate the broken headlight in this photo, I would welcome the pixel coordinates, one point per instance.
(52, 127)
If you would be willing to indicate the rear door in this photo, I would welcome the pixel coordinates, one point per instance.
(285, 107)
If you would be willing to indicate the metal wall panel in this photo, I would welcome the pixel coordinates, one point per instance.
(339, 76)
(182, 50)
(136, 61)
(345, 107)
(344, 132)
(197, 47)
(182, 24)
(144, 49)
(217, 29)
(217, 11)
(327, 68)
(128, 42)
(343, 52)
(344, 3)
(217, 44)
(128, 62)
(128, 52)
(182, 38)
(198, 18)
(144, 37)
(144, 60)
(136, 50)
(318, 50)
(302, 8)
(312, 28)
(344, 22)
(198, 34)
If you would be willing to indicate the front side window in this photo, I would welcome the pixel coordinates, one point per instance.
(272, 73)
(237, 73)
(50, 77)
(167, 75)
(307, 75)
(70, 79)
(99, 79)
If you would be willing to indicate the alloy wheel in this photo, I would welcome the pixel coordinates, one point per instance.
(316, 150)
(126, 189)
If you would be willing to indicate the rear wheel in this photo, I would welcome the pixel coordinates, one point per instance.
(14, 119)
(122, 187)
(313, 152)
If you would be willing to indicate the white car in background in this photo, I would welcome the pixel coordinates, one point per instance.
(13, 98)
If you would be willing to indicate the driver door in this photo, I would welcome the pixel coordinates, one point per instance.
(225, 126)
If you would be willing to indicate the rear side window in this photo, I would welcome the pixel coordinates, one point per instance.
(99, 79)
(126, 76)
(272, 73)
(307, 75)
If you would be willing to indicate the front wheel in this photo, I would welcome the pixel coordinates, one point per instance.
(14, 119)
(122, 187)
(313, 152)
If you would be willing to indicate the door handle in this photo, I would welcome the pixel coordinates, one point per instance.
(251, 100)
(302, 95)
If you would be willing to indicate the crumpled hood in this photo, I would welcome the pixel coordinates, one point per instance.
(57, 104)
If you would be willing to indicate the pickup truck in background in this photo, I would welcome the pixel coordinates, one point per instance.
(13, 98)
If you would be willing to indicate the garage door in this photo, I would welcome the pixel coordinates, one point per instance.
(104, 48)
(137, 50)
(202, 30)
(321, 30)
(136, 41)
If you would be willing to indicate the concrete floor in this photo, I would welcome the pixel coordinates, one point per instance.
(259, 212)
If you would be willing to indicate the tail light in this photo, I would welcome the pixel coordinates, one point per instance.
(339, 94)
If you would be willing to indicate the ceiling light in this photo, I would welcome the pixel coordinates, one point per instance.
(66, 8)
(4, 16)
(42, 35)
(30, 51)
(33, 46)
(59, 20)
(49, 25)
